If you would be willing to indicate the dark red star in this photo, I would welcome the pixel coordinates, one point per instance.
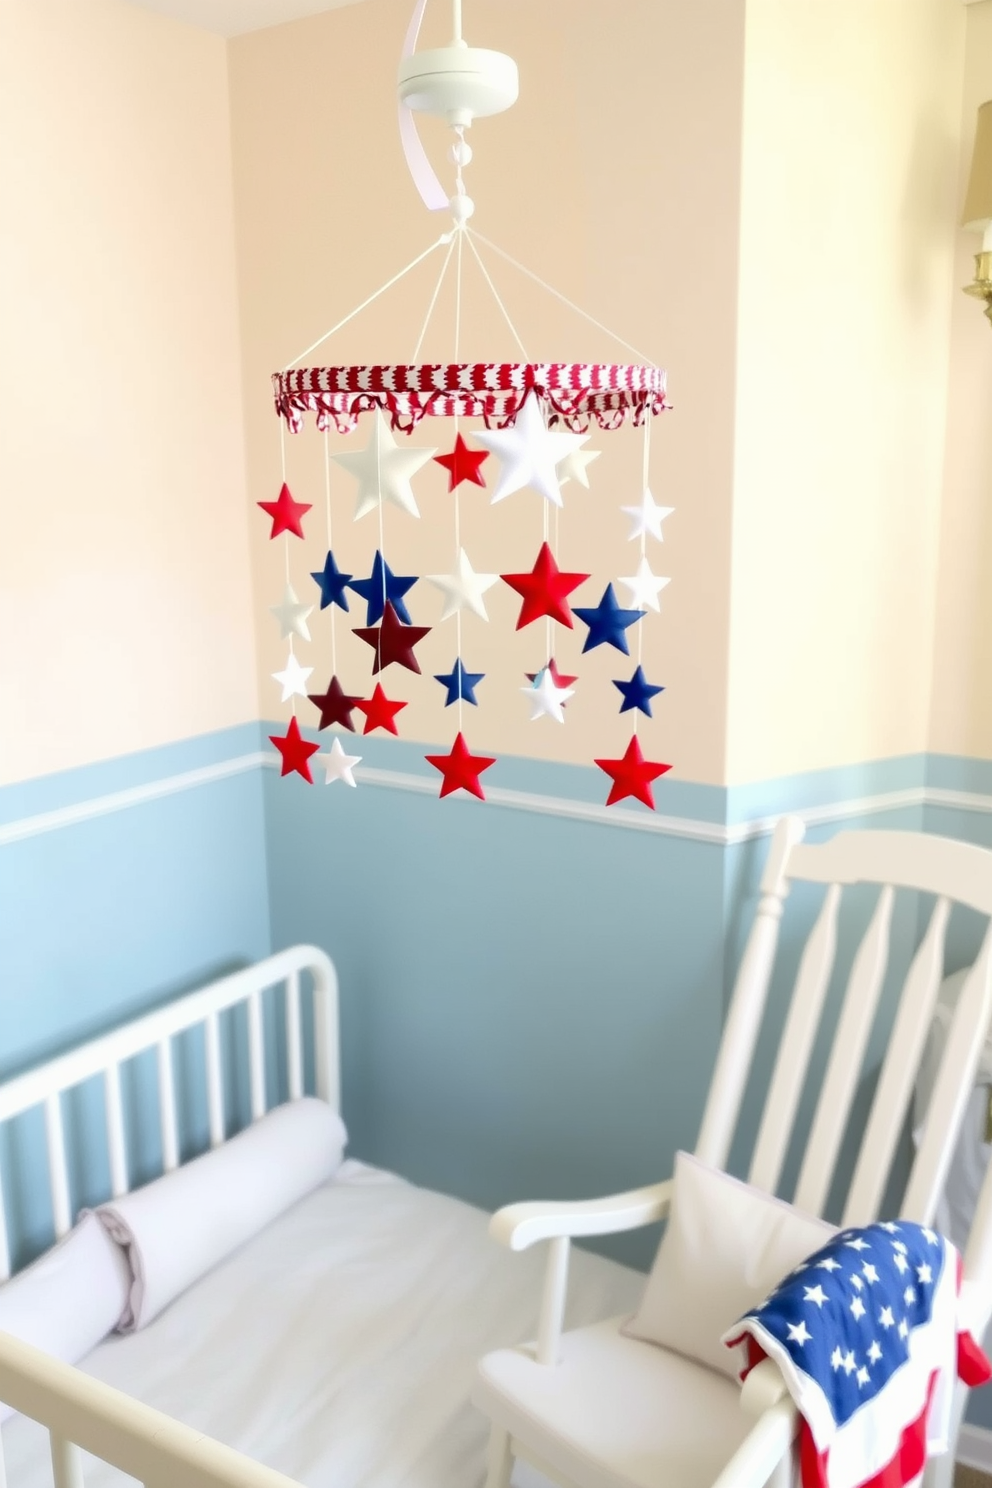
(393, 641)
(287, 514)
(632, 775)
(380, 711)
(295, 751)
(461, 770)
(557, 677)
(335, 705)
(463, 464)
(544, 590)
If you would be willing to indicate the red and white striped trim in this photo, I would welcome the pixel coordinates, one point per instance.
(573, 393)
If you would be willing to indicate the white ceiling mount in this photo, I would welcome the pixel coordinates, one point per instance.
(459, 83)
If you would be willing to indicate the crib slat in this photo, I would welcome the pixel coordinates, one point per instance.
(58, 1177)
(115, 1130)
(294, 1038)
(67, 1462)
(215, 1080)
(844, 1066)
(797, 1042)
(899, 1071)
(4, 1245)
(256, 1056)
(167, 1106)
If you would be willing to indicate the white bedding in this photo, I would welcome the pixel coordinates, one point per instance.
(339, 1345)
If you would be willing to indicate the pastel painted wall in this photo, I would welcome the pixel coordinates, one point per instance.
(125, 601)
(636, 223)
(850, 142)
(961, 713)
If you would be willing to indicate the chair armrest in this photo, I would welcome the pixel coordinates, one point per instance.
(764, 1456)
(520, 1225)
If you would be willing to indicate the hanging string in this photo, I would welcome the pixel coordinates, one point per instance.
(458, 530)
(645, 481)
(430, 308)
(330, 544)
(444, 238)
(558, 295)
(470, 237)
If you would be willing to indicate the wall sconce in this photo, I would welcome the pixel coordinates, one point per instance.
(977, 216)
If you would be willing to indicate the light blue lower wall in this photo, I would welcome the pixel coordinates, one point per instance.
(531, 998)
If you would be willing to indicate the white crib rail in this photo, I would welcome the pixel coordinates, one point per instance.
(82, 1413)
(45, 1085)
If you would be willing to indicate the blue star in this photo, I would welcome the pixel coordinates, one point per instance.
(607, 622)
(332, 584)
(460, 684)
(382, 587)
(637, 693)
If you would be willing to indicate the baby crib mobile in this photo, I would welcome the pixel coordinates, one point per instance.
(536, 418)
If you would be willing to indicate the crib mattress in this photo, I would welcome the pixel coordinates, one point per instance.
(339, 1345)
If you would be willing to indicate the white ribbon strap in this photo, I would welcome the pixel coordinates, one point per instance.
(434, 196)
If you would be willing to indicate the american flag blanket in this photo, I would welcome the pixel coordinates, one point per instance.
(867, 1335)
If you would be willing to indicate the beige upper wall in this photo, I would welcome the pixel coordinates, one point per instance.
(961, 719)
(850, 150)
(615, 177)
(125, 605)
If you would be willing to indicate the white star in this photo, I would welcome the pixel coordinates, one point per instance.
(384, 469)
(924, 1273)
(647, 518)
(849, 1361)
(828, 1265)
(293, 679)
(903, 1329)
(644, 587)
(898, 1245)
(909, 1296)
(858, 1244)
(799, 1333)
(815, 1294)
(893, 1229)
(528, 453)
(837, 1358)
(573, 467)
(546, 698)
(857, 1308)
(292, 615)
(874, 1352)
(338, 765)
(932, 1238)
(869, 1272)
(885, 1318)
(901, 1262)
(862, 1376)
(463, 589)
(857, 1282)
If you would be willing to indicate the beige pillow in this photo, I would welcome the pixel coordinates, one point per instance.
(725, 1247)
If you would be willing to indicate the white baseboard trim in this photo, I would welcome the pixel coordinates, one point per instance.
(720, 834)
(975, 1447)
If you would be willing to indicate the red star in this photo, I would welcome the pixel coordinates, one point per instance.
(380, 711)
(463, 464)
(632, 775)
(544, 590)
(295, 751)
(287, 514)
(335, 706)
(461, 770)
(557, 677)
(393, 641)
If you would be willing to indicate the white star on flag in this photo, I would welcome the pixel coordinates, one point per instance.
(849, 1361)
(886, 1319)
(829, 1264)
(901, 1262)
(837, 1358)
(862, 1376)
(909, 1296)
(857, 1243)
(874, 1353)
(799, 1333)
(857, 1308)
(924, 1273)
(815, 1294)
(293, 678)
(904, 1329)
(869, 1272)
(858, 1283)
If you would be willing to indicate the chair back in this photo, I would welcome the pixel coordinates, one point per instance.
(954, 872)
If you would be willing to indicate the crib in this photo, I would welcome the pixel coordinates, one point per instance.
(286, 1011)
